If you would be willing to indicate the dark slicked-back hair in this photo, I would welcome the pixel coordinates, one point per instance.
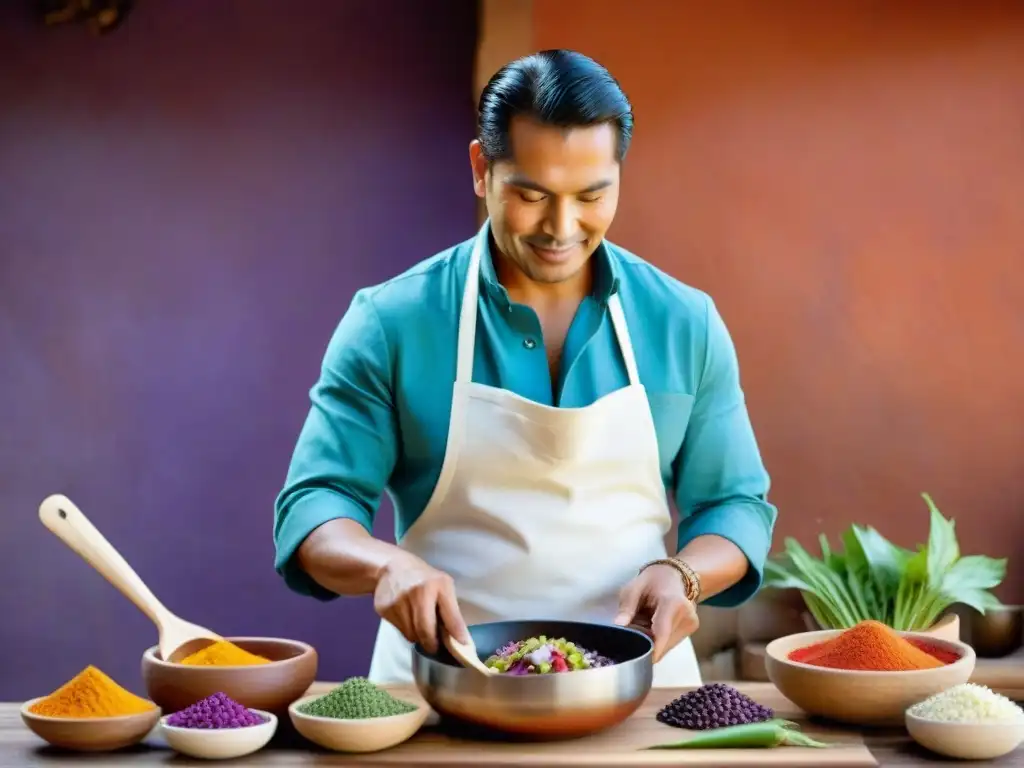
(556, 87)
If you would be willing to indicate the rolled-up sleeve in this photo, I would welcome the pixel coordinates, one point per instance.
(347, 448)
(721, 485)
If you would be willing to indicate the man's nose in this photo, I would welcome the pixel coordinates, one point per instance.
(560, 224)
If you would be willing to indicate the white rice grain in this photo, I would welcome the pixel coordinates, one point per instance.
(968, 702)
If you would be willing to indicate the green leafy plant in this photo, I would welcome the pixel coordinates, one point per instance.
(872, 578)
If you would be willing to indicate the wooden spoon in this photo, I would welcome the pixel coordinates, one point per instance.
(466, 654)
(178, 638)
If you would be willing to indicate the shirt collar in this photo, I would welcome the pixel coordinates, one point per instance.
(606, 274)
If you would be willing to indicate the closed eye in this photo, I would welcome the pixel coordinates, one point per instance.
(531, 197)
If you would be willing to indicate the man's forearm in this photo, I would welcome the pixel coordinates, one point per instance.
(342, 557)
(719, 563)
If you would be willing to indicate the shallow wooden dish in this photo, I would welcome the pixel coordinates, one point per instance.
(966, 741)
(220, 743)
(268, 687)
(90, 734)
(861, 698)
(370, 735)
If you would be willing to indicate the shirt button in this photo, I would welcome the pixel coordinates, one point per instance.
(529, 343)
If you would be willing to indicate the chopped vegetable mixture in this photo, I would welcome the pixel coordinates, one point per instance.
(544, 656)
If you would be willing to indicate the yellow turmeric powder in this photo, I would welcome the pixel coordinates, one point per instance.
(91, 693)
(223, 653)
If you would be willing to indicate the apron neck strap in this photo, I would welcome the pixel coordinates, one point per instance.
(468, 313)
(467, 317)
(625, 342)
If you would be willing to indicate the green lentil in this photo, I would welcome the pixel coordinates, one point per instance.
(356, 699)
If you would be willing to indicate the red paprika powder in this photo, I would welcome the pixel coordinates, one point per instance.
(870, 646)
(940, 653)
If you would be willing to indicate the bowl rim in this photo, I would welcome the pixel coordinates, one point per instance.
(418, 650)
(149, 655)
(269, 721)
(25, 712)
(988, 725)
(422, 709)
(967, 654)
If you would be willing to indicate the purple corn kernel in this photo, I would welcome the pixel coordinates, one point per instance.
(216, 711)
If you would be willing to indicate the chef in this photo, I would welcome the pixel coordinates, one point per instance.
(531, 400)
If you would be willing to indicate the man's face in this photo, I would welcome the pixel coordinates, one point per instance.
(552, 202)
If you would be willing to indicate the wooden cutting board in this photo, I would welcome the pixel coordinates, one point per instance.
(624, 745)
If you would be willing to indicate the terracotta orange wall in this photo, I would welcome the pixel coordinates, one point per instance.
(846, 179)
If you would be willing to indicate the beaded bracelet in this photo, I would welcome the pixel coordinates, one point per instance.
(690, 578)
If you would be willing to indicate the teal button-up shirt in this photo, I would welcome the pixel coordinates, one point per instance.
(380, 408)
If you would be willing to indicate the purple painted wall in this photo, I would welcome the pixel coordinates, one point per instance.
(186, 208)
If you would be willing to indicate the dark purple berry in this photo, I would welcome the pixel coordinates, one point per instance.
(712, 706)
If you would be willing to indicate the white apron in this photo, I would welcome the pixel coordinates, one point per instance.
(541, 512)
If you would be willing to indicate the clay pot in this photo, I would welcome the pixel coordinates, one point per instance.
(996, 633)
(770, 614)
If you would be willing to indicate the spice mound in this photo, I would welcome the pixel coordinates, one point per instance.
(216, 711)
(543, 656)
(968, 703)
(713, 706)
(91, 693)
(869, 646)
(356, 699)
(223, 654)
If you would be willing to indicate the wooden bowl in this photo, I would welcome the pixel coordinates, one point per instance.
(966, 741)
(90, 734)
(368, 735)
(268, 687)
(220, 743)
(855, 697)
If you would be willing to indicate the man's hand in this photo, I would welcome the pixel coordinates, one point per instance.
(655, 602)
(413, 596)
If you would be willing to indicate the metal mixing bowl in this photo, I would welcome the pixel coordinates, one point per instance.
(554, 706)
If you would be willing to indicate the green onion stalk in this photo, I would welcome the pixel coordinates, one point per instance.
(770, 733)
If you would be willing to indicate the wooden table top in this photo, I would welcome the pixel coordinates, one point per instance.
(888, 747)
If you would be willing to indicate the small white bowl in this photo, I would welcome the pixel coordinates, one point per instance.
(220, 743)
(966, 741)
(371, 734)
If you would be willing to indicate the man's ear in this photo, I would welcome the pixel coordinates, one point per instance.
(478, 163)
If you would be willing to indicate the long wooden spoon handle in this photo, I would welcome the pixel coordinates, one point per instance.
(64, 519)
